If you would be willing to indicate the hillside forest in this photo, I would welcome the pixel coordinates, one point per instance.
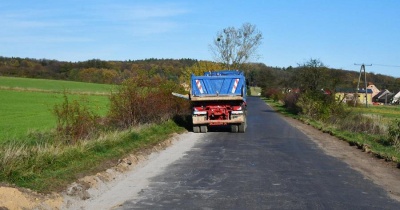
(179, 70)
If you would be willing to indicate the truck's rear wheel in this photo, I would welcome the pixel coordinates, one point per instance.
(196, 129)
(234, 128)
(242, 126)
(203, 129)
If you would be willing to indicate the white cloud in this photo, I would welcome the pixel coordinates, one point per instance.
(139, 20)
(44, 39)
(151, 12)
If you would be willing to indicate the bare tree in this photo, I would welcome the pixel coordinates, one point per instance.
(233, 47)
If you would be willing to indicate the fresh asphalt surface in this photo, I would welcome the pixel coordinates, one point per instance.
(271, 166)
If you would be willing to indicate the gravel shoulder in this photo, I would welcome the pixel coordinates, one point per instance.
(109, 189)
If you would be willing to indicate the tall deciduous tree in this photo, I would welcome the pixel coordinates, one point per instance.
(233, 47)
(199, 69)
(312, 75)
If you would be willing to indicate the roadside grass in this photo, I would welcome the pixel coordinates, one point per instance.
(48, 166)
(377, 144)
(278, 106)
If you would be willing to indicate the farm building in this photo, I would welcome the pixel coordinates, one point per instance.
(346, 95)
(384, 96)
(374, 89)
(396, 98)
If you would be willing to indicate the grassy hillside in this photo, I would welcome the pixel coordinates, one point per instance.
(27, 104)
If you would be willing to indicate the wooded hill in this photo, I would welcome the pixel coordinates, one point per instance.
(258, 74)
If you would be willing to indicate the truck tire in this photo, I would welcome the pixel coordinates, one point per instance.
(196, 129)
(243, 126)
(203, 129)
(234, 128)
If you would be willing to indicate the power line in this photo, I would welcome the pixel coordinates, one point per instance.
(385, 65)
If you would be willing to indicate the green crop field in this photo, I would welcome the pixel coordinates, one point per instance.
(389, 112)
(26, 104)
(17, 83)
(255, 91)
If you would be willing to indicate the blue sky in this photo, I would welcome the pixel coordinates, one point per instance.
(340, 33)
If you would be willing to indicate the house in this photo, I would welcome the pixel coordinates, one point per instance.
(347, 94)
(374, 89)
(396, 98)
(344, 94)
(365, 98)
(383, 97)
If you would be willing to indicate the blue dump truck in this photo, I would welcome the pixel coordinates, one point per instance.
(219, 99)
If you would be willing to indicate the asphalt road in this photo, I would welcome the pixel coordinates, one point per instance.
(271, 166)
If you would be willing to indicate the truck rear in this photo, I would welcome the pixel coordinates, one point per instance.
(219, 99)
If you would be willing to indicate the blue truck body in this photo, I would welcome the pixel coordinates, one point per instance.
(219, 84)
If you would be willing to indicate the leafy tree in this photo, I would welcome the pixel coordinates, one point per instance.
(235, 46)
(312, 75)
(198, 69)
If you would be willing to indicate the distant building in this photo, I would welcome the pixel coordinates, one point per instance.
(347, 94)
(365, 98)
(374, 89)
(383, 96)
(396, 98)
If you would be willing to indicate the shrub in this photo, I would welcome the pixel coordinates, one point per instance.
(290, 102)
(320, 106)
(143, 99)
(394, 133)
(74, 120)
(274, 93)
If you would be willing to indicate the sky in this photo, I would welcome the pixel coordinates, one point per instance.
(340, 33)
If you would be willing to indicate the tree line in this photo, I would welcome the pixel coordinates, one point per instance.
(313, 74)
(94, 70)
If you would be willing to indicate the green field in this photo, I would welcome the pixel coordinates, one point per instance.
(28, 84)
(26, 104)
(389, 112)
(255, 91)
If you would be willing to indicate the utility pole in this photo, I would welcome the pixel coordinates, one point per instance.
(365, 82)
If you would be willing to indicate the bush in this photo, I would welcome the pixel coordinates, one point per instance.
(141, 100)
(274, 93)
(74, 120)
(394, 133)
(320, 106)
(290, 101)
